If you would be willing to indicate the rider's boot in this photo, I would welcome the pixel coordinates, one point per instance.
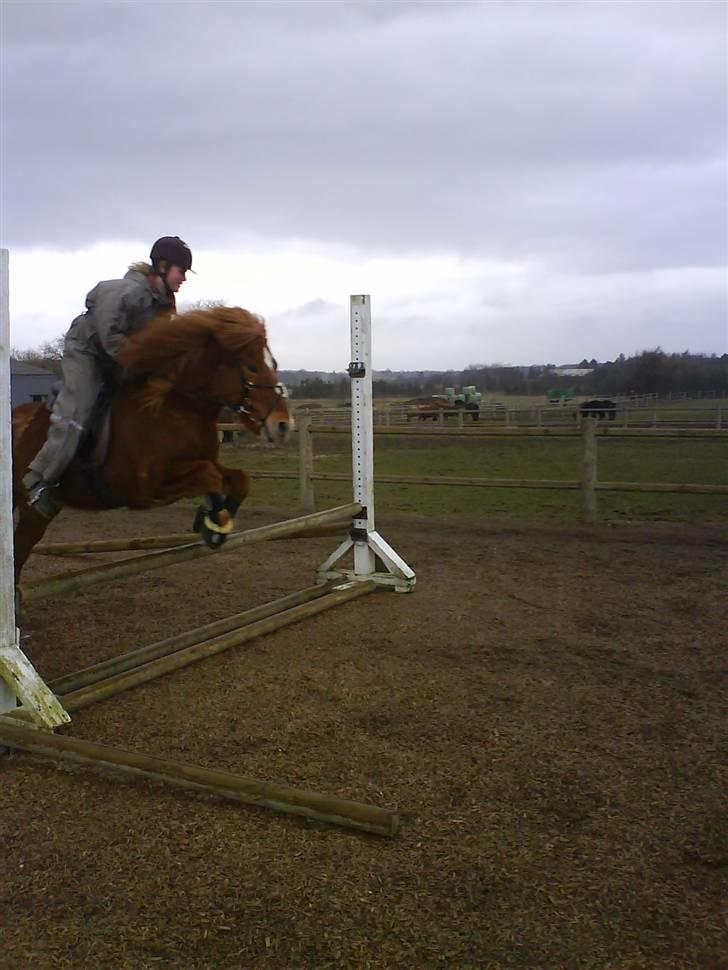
(41, 501)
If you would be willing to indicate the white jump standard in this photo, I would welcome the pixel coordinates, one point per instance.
(368, 546)
(18, 677)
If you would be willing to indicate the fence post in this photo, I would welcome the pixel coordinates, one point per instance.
(718, 418)
(626, 417)
(460, 418)
(306, 498)
(589, 469)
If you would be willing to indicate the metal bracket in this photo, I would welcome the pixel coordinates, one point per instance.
(356, 369)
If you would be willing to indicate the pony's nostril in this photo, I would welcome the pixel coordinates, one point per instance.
(282, 427)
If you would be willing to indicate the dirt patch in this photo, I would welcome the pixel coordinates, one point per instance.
(544, 712)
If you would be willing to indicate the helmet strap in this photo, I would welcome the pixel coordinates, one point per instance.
(162, 274)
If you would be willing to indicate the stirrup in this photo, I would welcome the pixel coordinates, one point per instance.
(39, 499)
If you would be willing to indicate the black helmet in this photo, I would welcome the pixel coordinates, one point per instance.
(173, 250)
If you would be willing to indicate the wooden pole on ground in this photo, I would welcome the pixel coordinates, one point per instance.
(224, 784)
(589, 470)
(142, 655)
(126, 679)
(306, 498)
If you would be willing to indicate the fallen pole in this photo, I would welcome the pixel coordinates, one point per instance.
(117, 683)
(224, 784)
(196, 550)
(142, 655)
(168, 541)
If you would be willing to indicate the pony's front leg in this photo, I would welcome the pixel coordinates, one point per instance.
(214, 520)
(236, 485)
(186, 479)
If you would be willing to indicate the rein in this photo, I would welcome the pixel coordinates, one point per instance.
(241, 405)
(246, 387)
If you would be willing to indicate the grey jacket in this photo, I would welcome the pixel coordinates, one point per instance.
(114, 310)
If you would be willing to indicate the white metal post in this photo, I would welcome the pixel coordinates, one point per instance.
(368, 546)
(8, 635)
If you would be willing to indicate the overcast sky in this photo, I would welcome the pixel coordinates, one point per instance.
(515, 182)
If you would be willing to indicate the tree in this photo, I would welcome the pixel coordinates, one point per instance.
(48, 356)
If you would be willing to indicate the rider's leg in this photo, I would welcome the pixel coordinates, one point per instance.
(82, 383)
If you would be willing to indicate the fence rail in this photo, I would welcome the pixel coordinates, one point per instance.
(644, 415)
(588, 483)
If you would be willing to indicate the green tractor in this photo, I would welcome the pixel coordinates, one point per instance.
(561, 396)
(469, 398)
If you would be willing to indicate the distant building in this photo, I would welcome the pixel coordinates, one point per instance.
(573, 371)
(29, 383)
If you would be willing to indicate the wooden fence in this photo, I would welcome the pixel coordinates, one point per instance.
(642, 415)
(588, 483)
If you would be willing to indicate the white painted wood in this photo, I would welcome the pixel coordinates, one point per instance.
(362, 432)
(8, 634)
(392, 560)
(18, 678)
(367, 544)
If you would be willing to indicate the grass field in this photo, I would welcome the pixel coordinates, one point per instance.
(625, 460)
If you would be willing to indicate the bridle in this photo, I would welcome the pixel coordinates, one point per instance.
(246, 386)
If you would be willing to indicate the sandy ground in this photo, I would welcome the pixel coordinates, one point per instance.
(544, 712)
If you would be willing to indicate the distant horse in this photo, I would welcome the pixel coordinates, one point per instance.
(430, 408)
(603, 409)
(163, 445)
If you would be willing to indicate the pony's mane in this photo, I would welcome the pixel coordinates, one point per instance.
(164, 349)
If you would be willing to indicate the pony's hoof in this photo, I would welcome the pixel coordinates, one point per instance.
(211, 538)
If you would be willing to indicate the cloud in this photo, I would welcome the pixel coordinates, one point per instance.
(561, 148)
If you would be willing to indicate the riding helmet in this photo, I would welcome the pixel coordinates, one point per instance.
(174, 251)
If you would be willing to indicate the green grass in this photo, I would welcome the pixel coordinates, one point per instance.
(625, 460)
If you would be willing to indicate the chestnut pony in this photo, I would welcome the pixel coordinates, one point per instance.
(179, 373)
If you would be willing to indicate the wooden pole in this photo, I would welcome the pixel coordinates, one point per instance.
(589, 470)
(306, 499)
(125, 680)
(159, 560)
(223, 784)
(142, 655)
(168, 541)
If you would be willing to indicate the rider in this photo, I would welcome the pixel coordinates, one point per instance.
(114, 310)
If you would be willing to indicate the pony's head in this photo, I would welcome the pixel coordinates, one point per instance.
(219, 357)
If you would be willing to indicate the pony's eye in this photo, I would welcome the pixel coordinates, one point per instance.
(253, 368)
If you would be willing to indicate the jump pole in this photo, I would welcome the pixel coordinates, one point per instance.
(194, 550)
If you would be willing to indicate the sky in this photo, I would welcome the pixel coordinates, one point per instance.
(512, 182)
